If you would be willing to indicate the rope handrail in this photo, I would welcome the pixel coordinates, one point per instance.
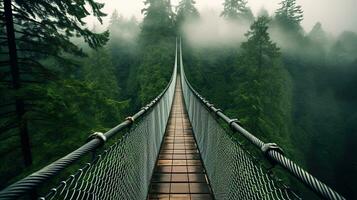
(271, 150)
(96, 140)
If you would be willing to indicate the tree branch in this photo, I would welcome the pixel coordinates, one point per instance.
(29, 19)
(33, 50)
(30, 34)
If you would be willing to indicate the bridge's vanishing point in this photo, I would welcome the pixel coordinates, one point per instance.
(173, 148)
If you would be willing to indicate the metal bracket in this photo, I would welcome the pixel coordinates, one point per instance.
(98, 135)
(271, 146)
(131, 119)
(218, 110)
(145, 108)
(233, 121)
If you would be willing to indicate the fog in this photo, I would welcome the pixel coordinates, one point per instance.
(335, 15)
(211, 30)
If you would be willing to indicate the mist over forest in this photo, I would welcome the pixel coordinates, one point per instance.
(306, 99)
(285, 84)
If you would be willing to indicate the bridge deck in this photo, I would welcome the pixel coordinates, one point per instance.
(179, 173)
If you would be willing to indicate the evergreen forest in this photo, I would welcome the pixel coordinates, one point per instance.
(62, 79)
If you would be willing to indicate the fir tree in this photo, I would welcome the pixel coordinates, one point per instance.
(259, 45)
(35, 31)
(262, 88)
(158, 21)
(186, 10)
(290, 14)
(156, 42)
(237, 10)
(115, 19)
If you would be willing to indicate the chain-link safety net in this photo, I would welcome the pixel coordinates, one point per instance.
(124, 170)
(230, 169)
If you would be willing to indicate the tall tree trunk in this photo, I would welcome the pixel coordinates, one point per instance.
(15, 73)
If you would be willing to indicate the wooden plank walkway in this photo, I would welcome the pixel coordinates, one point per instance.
(179, 173)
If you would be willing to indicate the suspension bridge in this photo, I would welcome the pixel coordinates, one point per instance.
(176, 147)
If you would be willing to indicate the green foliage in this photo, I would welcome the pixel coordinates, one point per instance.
(324, 106)
(158, 22)
(344, 49)
(65, 97)
(124, 55)
(259, 47)
(155, 70)
(70, 109)
(50, 25)
(186, 11)
(290, 15)
(157, 44)
(104, 76)
(263, 90)
(317, 34)
(301, 96)
(44, 30)
(237, 10)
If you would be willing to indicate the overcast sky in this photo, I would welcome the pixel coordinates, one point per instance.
(335, 15)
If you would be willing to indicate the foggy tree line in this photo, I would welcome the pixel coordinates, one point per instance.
(288, 86)
(54, 90)
(283, 83)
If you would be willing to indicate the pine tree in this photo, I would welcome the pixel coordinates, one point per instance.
(36, 31)
(186, 10)
(115, 19)
(156, 42)
(290, 14)
(263, 12)
(259, 45)
(237, 10)
(158, 21)
(262, 89)
(318, 34)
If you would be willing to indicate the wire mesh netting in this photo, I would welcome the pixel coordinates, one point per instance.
(124, 170)
(231, 170)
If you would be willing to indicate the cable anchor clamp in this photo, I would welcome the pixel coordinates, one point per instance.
(131, 119)
(230, 122)
(98, 135)
(217, 111)
(210, 105)
(145, 108)
(271, 146)
(266, 148)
